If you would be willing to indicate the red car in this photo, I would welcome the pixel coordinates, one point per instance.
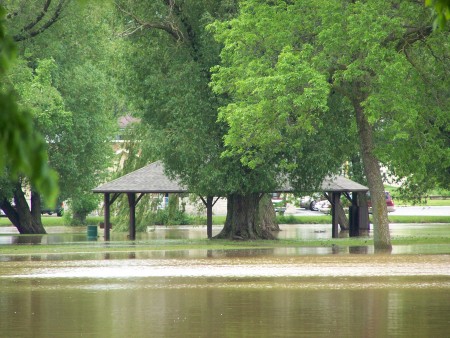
(389, 202)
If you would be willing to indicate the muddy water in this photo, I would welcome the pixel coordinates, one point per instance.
(263, 296)
(278, 292)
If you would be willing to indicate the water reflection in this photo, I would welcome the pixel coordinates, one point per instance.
(56, 235)
(277, 292)
(170, 265)
(78, 236)
(59, 234)
(358, 249)
(222, 308)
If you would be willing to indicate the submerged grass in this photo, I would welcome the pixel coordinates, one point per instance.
(428, 236)
(205, 244)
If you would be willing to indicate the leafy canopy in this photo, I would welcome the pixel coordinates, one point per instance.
(294, 69)
(22, 148)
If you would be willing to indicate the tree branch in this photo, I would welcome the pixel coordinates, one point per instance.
(413, 35)
(175, 11)
(167, 26)
(26, 31)
(39, 17)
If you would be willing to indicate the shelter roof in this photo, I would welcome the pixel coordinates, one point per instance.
(341, 184)
(148, 179)
(152, 179)
(331, 184)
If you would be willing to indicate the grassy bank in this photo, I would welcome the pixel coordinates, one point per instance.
(287, 219)
(431, 202)
(393, 219)
(53, 221)
(419, 219)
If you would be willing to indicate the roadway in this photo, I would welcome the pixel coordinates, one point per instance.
(403, 211)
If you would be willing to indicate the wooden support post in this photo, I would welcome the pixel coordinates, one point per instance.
(107, 215)
(132, 205)
(209, 206)
(353, 215)
(335, 199)
(209, 203)
(354, 220)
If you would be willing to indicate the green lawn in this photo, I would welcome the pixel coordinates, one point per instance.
(288, 219)
(428, 202)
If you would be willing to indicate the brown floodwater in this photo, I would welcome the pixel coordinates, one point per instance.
(276, 292)
(264, 296)
(159, 234)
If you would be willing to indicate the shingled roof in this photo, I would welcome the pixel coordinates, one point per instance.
(149, 179)
(342, 184)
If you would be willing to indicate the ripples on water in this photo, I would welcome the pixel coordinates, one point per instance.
(260, 266)
(279, 292)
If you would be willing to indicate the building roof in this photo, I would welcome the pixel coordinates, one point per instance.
(341, 184)
(152, 179)
(149, 179)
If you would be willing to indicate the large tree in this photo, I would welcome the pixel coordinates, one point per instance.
(285, 55)
(22, 149)
(71, 97)
(172, 53)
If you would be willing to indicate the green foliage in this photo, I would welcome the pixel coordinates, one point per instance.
(442, 10)
(290, 219)
(22, 148)
(166, 217)
(172, 95)
(293, 70)
(71, 97)
(280, 101)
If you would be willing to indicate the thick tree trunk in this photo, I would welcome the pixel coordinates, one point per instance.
(21, 216)
(382, 238)
(243, 221)
(267, 214)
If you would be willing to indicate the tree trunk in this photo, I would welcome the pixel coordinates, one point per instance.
(36, 207)
(20, 215)
(79, 217)
(341, 217)
(243, 221)
(267, 214)
(382, 238)
(339, 212)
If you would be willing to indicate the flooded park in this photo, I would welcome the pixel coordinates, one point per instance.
(63, 284)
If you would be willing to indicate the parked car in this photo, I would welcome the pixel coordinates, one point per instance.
(324, 206)
(310, 202)
(389, 202)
